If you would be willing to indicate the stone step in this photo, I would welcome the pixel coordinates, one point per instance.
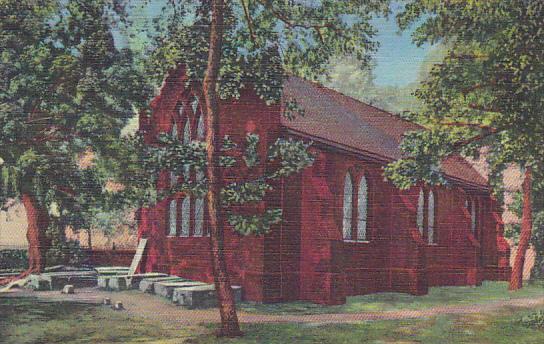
(124, 281)
(147, 284)
(166, 289)
(132, 282)
(113, 270)
(201, 296)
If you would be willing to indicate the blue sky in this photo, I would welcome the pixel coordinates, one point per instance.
(398, 60)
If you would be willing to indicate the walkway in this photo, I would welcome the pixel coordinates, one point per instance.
(156, 308)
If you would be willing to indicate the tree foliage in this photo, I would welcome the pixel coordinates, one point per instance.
(65, 89)
(487, 91)
(143, 164)
(264, 40)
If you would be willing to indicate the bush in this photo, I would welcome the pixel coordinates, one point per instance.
(13, 259)
(63, 251)
(534, 320)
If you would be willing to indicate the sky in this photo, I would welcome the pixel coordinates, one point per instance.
(397, 60)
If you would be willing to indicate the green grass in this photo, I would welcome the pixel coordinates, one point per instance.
(501, 328)
(440, 296)
(26, 320)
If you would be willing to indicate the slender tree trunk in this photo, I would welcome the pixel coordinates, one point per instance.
(516, 280)
(227, 307)
(38, 243)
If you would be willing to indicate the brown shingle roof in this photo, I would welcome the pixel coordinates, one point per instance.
(344, 121)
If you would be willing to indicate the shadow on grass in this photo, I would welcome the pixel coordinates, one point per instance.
(437, 297)
(497, 328)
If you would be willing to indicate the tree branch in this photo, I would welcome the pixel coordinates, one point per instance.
(249, 22)
(488, 132)
(480, 108)
(287, 21)
(466, 124)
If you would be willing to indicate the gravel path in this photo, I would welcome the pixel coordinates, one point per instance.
(156, 308)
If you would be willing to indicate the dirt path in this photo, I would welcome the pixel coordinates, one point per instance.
(156, 308)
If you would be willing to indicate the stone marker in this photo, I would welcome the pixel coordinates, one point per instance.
(103, 282)
(57, 280)
(68, 289)
(201, 296)
(133, 282)
(165, 289)
(117, 283)
(146, 285)
(118, 306)
(36, 282)
(107, 301)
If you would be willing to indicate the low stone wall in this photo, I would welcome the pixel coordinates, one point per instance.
(110, 257)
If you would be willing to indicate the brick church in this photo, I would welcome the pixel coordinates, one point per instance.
(346, 230)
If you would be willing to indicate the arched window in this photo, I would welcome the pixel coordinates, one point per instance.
(348, 204)
(172, 220)
(420, 211)
(430, 218)
(199, 202)
(174, 134)
(473, 216)
(362, 209)
(187, 140)
(200, 129)
(199, 217)
(194, 104)
(185, 216)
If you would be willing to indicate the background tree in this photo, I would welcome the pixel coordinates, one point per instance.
(487, 91)
(253, 43)
(65, 88)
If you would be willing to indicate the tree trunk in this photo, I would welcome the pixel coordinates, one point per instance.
(89, 239)
(227, 307)
(38, 243)
(516, 279)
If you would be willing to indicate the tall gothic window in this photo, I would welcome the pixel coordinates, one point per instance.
(199, 202)
(186, 204)
(421, 211)
(430, 218)
(172, 220)
(362, 209)
(185, 216)
(348, 204)
(473, 216)
(174, 134)
(194, 104)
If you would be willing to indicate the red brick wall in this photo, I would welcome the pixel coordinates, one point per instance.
(110, 257)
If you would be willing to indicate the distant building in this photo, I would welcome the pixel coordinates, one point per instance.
(346, 230)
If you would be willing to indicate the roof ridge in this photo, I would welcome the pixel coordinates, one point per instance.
(328, 89)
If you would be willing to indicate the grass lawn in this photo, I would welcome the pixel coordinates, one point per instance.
(439, 296)
(500, 328)
(30, 321)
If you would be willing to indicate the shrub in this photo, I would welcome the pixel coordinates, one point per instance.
(534, 320)
(13, 259)
(63, 251)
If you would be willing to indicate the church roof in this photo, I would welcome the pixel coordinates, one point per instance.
(342, 121)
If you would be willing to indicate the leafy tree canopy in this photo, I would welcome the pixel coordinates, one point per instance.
(265, 40)
(487, 91)
(65, 89)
